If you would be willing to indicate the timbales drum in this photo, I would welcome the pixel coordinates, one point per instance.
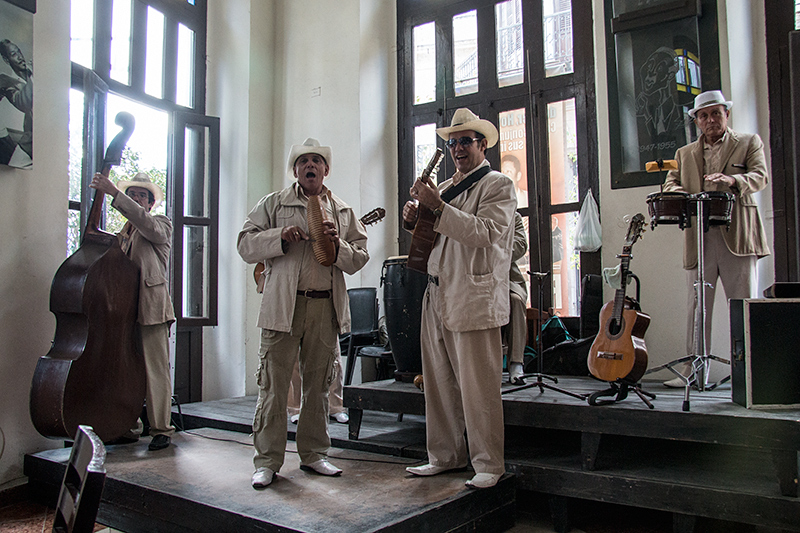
(669, 208)
(403, 291)
(717, 205)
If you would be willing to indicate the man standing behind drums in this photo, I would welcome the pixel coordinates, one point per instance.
(516, 332)
(465, 305)
(720, 160)
(303, 308)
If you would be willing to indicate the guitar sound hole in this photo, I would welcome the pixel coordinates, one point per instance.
(615, 328)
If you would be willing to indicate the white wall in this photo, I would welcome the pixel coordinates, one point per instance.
(33, 240)
(657, 257)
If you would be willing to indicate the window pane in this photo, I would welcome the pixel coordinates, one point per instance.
(75, 144)
(195, 271)
(121, 41)
(510, 63)
(562, 144)
(513, 150)
(154, 58)
(797, 14)
(195, 178)
(73, 231)
(557, 20)
(81, 32)
(185, 72)
(424, 147)
(566, 264)
(425, 63)
(465, 53)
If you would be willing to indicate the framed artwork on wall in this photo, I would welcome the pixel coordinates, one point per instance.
(16, 83)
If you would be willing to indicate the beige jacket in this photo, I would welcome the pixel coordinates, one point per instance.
(472, 255)
(742, 157)
(260, 240)
(147, 240)
(518, 284)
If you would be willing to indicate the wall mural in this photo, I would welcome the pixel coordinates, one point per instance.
(16, 84)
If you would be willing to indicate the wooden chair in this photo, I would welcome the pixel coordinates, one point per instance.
(82, 486)
(364, 335)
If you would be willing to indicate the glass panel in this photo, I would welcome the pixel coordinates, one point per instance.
(81, 32)
(424, 63)
(73, 231)
(513, 150)
(121, 41)
(653, 104)
(508, 18)
(195, 271)
(562, 144)
(797, 14)
(146, 150)
(557, 20)
(154, 58)
(566, 264)
(75, 144)
(465, 53)
(195, 177)
(185, 66)
(424, 148)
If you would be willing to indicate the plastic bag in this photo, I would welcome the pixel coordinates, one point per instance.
(589, 236)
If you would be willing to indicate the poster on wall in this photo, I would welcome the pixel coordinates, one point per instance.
(16, 84)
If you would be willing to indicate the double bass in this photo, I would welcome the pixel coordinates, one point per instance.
(94, 373)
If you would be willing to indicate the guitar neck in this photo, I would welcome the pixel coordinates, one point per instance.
(619, 295)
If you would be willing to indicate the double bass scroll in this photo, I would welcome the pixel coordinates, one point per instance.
(94, 373)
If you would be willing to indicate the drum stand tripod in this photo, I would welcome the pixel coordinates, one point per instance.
(700, 360)
(540, 375)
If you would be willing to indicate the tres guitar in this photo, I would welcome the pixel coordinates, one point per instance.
(618, 351)
(424, 236)
(374, 216)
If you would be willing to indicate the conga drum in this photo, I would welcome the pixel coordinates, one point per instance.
(717, 206)
(403, 290)
(669, 208)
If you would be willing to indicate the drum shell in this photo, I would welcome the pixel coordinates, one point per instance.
(403, 291)
(669, 208)
(718, 206)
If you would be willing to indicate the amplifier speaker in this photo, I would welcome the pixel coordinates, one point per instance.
(765, 359)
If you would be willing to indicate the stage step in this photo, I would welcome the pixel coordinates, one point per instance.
(202, 483)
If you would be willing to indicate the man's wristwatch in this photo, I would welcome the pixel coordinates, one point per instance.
(438, 210)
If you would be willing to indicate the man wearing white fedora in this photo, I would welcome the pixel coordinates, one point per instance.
(304, 307)
(466, 303)
(147, 239)
(728, 161)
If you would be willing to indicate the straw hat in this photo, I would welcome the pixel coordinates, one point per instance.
(464, 119)
(707, 99)
(142, 180)
(309, 146)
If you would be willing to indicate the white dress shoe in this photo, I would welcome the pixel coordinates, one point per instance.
(515, 374)
(294, 418)
(677, 383)
(483, 481)
(342, 417)
(427, 470)
(262, 477)
(322, 467)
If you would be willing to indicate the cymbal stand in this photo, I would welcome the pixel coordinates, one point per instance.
(540, 375)
(699, 360)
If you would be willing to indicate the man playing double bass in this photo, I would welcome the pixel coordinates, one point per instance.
(465, 305)
(147, 239)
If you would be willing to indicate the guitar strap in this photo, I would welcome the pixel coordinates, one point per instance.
(454, 191)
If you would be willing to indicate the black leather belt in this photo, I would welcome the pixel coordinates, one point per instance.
(314, 294)
(433, 279)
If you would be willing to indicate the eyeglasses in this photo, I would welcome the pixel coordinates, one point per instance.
(463, 141)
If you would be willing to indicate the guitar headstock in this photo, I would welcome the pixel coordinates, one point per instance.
(433, 164)
(635, 229)
(376, 215)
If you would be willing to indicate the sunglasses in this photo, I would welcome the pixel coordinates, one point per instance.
(463, 141)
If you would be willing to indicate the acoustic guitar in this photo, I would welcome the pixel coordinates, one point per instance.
(618, 351)
(373, 217)
(424, 236)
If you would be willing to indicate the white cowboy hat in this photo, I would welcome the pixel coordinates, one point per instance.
(309, 146)
(464, 119)
(142, 180)
(707, 99)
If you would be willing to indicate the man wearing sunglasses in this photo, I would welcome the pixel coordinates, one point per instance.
(466, 303)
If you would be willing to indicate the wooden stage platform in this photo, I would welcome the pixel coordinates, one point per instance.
(717, 461)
